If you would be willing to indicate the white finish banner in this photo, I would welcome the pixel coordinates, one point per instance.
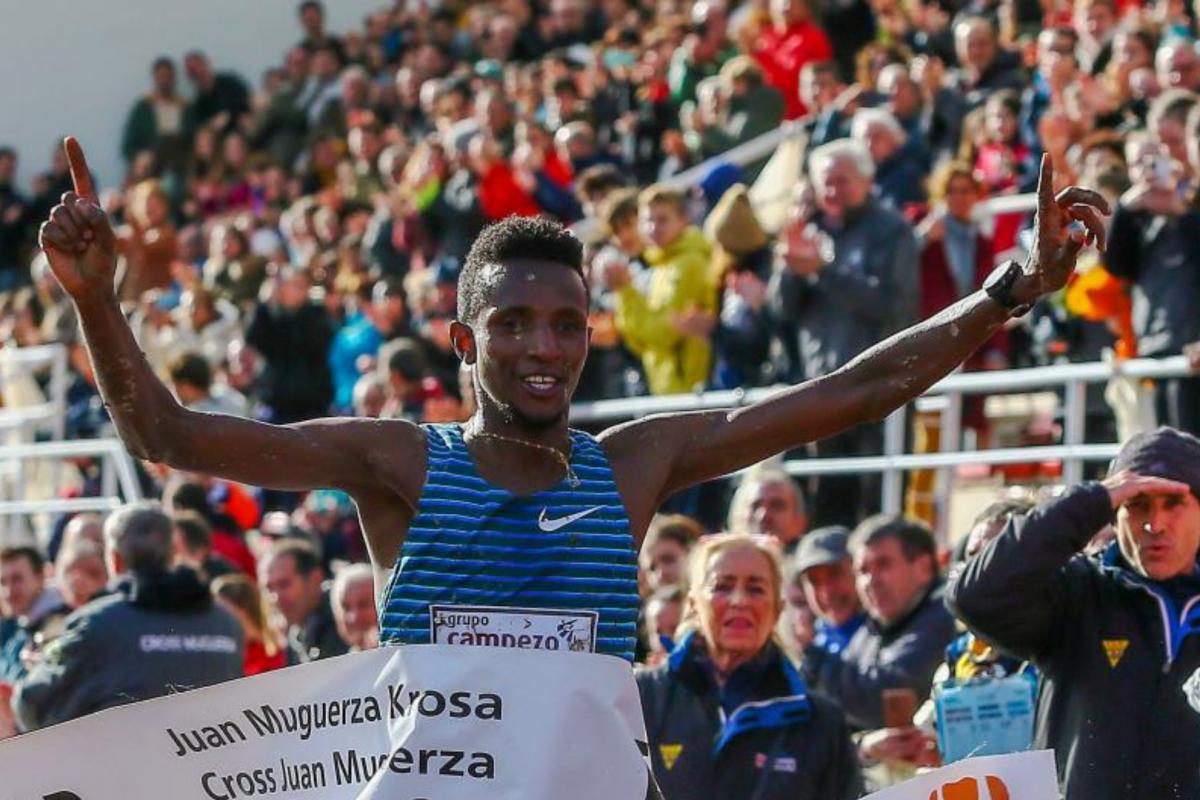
(404, 723)
(1017, 776)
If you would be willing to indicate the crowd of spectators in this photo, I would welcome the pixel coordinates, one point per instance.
(290, 248)
(302, 232)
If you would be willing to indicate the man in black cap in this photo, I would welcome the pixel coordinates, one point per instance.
(1111, 634)
(826, 573)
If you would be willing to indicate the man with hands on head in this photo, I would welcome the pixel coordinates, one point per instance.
(522, 331)
(1113, 634)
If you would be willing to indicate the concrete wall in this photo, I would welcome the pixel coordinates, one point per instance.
(72, 66)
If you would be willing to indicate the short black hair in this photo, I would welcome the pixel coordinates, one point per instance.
(532, 238)
(194, 530)
(307, 4)
(193, 369)
(37, 562)
(915, 538)
(303, 555)
(162, 61)
(407, 359)
(187, 495)
(565, 84)
(458, 85)
(597, 180)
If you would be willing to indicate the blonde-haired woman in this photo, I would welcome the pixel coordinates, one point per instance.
(729, 717)
(240, 596)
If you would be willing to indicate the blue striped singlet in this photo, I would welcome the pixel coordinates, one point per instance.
(474, 544)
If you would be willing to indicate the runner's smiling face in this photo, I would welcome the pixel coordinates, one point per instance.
(531, 341)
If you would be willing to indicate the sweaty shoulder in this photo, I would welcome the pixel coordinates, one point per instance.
(395, 453)
(641, 455)
(395, 450)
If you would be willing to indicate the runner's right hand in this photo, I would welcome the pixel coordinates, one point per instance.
(77, 238)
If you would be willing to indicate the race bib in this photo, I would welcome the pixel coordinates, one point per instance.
(518, 628)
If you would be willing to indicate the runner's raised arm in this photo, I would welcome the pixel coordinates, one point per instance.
(699, 446)
(81, 247)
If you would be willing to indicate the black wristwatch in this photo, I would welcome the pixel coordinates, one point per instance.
(999, 287)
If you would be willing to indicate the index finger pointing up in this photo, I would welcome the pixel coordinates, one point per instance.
(1045, 187)
(80, 176)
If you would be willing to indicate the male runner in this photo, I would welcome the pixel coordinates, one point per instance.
(513, 509)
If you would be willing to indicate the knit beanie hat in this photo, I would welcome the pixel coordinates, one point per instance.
(1162, 453)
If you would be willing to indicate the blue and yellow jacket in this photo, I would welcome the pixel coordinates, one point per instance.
(760, 736)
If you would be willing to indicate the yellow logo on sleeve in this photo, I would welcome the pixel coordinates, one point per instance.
(670, 753)
(1115, 649)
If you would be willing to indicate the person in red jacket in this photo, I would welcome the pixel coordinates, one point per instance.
(501, 193)
(240, 596)
(956, 256)
(785, 46)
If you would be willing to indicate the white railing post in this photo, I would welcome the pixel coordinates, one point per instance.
(949, 441)
(58, 391)
(1074, 426)
(893, 476)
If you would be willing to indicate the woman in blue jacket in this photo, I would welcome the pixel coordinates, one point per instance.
(728, 716)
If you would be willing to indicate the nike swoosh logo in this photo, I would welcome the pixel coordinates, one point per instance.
(551, 525)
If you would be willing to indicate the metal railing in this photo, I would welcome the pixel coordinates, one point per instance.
(48, 417)
(1073, 379)
(118, 479)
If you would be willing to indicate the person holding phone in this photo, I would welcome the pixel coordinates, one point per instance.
(1155, 245)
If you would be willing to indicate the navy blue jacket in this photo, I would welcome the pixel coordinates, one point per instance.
(762, 736)
(1113, 649)
(157, 634)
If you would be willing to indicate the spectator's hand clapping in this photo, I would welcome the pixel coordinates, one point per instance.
(930, 73)
(907, 745)
(800, 249)
(1192, 351)
(614, 274)
(750, 288)
(933, 227)
(695, 323)
(626, 124)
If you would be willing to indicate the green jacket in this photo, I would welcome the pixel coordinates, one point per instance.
(683, 75)
(759, 111)
(678, 282)
(141, 129)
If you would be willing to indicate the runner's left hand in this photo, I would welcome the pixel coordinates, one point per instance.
(1055, 246)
